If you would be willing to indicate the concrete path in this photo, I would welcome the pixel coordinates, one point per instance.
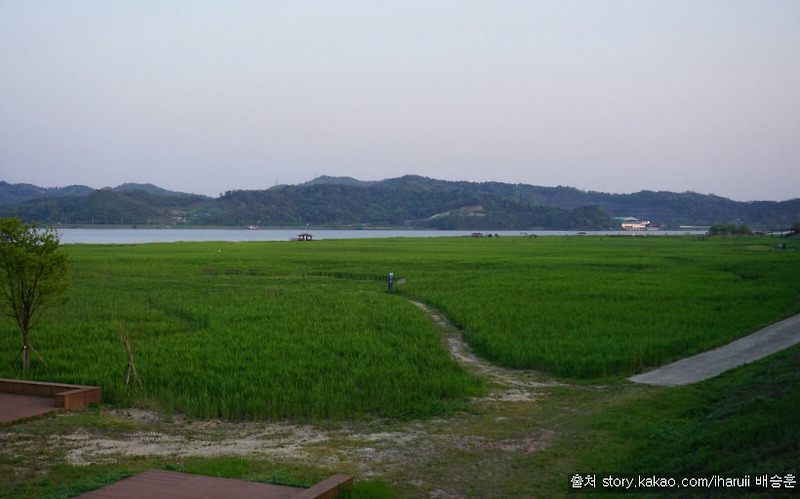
(708, 364)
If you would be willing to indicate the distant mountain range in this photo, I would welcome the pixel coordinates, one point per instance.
(410, 201)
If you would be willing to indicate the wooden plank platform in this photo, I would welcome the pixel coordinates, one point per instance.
(22, 399)
(15, 407)
(174, 485)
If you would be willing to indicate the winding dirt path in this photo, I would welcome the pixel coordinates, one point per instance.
(514, 384)
(766, 341)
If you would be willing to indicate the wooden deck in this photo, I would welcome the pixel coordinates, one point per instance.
(174, 485)
(17, 407)
(22, 399)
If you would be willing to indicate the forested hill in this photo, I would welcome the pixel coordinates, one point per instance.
(409, 201)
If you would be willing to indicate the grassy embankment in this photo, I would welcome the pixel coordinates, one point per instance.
(292, 330)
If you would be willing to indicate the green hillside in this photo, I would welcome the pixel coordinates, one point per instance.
(410, 201)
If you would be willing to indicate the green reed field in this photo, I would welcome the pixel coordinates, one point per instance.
(309, 331)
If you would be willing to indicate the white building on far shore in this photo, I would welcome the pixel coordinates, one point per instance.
(631, 223)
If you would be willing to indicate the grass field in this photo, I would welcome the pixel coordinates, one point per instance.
(588, 307)
(308, 332)
(294, 330)
(225, 330)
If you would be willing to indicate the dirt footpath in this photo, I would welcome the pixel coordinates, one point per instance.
(518, 384)
(767, 341)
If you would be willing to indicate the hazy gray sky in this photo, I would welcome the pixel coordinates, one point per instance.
(209, 96)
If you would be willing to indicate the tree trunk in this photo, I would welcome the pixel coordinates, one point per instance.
(26, 353)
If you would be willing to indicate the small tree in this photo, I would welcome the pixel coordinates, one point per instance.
(32, 276)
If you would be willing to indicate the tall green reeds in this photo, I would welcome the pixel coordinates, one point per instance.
(288, 330)
(588, 307)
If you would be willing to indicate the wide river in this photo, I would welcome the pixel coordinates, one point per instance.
(140, 236)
